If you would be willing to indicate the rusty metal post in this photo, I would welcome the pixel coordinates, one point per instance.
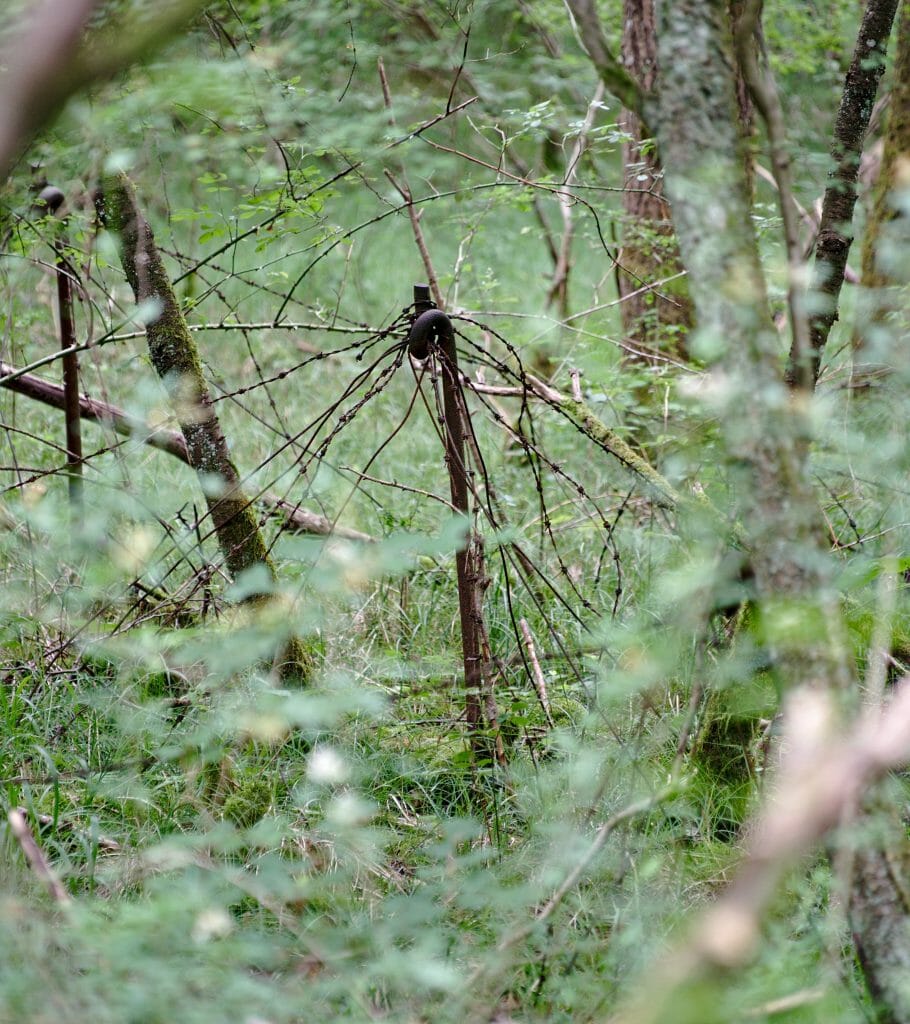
(432, 331)
(53, 198)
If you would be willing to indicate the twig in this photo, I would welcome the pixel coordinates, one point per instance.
(540, 684)
(559, 287)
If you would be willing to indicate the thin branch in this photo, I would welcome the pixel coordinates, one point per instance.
(404, 190)
(559, 288)
(540, 684)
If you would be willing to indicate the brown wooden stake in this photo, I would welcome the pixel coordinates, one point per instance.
(53, 199)
(432, 325)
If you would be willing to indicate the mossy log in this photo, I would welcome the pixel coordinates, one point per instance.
(176, 359)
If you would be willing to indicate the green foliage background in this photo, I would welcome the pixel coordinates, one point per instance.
(240, 852)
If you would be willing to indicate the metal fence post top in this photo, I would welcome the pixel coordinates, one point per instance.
(422, 298)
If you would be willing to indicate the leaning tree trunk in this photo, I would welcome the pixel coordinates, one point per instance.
(176, 360)
(886, 238)
(659, 319)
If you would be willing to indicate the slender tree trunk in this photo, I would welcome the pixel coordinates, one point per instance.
(176, 359)
(887, 235)
(835, 233)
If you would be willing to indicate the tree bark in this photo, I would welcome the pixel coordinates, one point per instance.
(879, 915)
(650, 320)
(882, 269)
(835, 234)
(701, 144)
(766, 434)
(176, 360)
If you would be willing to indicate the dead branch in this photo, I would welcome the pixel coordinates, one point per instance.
(559, 287)
(296, 519)
(540, 684)
(35, 857)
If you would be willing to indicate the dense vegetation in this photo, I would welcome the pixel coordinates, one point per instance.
(250, 790)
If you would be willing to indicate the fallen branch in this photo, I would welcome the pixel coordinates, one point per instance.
(296, 519)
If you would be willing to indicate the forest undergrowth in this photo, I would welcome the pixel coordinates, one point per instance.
(195, 834)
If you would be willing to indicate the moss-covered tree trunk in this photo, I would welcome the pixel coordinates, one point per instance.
(693, 114)
(176, 360)
(657, 319)
(766, 430)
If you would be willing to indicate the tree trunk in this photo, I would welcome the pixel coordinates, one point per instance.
(879, 915)
(766, 432)
(886, 238)
(176, 359)
(835, 233)
(657, 320)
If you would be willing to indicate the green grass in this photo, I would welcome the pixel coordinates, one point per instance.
(238, 852)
